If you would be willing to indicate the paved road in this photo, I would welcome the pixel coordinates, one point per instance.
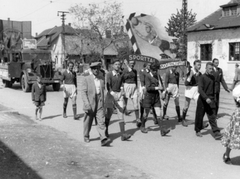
(179, 155)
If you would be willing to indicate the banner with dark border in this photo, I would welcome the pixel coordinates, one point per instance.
(163, 64)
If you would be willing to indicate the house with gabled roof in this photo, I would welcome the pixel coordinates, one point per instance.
(217, 36)
(77, 44)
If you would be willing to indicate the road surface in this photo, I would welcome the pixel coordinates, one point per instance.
(179, 155)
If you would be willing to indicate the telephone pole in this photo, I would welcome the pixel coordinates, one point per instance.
(184, 28)
(63, 14)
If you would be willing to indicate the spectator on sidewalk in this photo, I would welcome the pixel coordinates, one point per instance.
(39, 96)
(92, 91)
(231, 133)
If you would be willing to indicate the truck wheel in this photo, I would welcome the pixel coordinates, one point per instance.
(56, 86)
(25, 86)
(7, 84)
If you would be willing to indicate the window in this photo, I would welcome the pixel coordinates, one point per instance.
(230, 11)
(234, 51)
(206, 52)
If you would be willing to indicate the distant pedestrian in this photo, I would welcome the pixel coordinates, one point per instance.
(206, 102)
(172, 90)
(92, 91)
(219, 79)
(39, 97)
(231, 134)
(191, 90)
(69, 85)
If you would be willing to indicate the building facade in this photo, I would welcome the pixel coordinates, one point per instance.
(217, 36)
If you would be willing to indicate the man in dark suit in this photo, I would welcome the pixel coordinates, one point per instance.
(206, 102)
(92, 91)
(218, 74)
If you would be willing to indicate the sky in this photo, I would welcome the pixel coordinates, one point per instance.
(43, 13)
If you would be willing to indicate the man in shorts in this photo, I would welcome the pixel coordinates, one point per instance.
(172, 90)
(114, 98)
(191, 91)
(69, 85)
(130, 86)
(152, 99)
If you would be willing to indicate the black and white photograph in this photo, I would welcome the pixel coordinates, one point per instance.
(119, 89)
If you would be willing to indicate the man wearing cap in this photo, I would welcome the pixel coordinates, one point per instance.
(206, 102)
(114, 98)
(191, 90)
(219, 79)
(172, 90)
(92, 91)
(152, 99)
(69, 85)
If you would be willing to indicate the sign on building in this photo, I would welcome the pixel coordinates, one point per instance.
(29, 44)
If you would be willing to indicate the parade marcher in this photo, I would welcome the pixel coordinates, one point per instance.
(69, 85)
(92, 91)
(39, 96)
(206, 102)
(142, 89)
(191, 90)
(152, 99)
(115, 99)
(218, 74)
(171, 90)
(129, 77)
(231, 133)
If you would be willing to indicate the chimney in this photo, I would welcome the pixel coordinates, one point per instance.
(69, 24)
(36, 34)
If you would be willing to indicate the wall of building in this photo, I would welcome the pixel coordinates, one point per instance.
(220, 40)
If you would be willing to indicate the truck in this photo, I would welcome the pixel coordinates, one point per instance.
(21, 61)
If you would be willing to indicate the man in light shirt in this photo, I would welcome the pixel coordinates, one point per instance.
(92, 91)
(191, 91)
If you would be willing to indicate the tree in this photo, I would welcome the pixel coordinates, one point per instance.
(101, 18)
(174, 28)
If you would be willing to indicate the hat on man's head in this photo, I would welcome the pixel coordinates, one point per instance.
(95, 64)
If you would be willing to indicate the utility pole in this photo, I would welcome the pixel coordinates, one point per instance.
(63, 14)
(184, 27)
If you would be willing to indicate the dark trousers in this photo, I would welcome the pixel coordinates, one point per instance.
(202, 108)
(217, 96)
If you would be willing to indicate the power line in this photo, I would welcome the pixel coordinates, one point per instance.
(37, 9)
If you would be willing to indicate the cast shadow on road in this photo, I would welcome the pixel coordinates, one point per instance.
(51, 117)
(235, 160)
(209, 131)
(220, 115)
(11, 166)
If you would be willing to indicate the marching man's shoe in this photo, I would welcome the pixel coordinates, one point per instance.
(198, 134)
(105, 142)
(144, 130)
(164, 132)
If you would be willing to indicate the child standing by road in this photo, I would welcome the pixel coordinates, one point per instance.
(38, 97)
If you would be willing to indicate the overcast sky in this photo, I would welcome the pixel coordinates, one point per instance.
(43, 13)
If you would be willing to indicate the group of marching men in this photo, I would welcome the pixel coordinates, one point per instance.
(122, 86)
